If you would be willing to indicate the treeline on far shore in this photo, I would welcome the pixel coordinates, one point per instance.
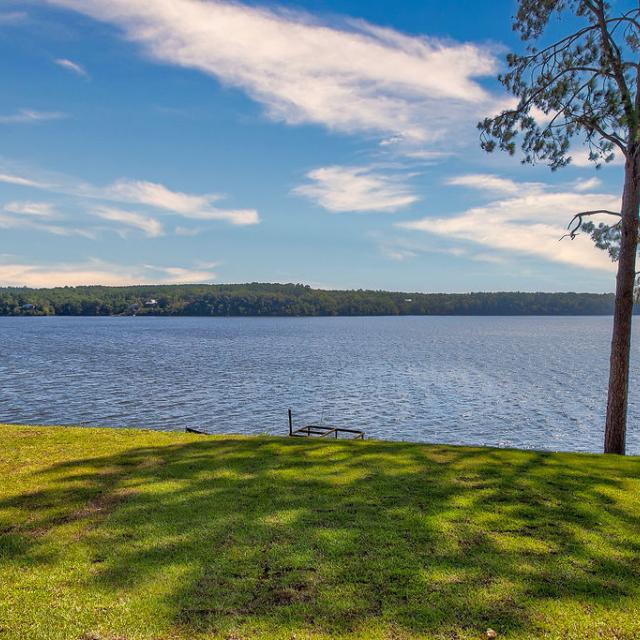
(287, 300)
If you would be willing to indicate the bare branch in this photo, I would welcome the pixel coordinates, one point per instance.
(577, 220)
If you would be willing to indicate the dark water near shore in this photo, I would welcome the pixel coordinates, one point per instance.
(530, 382)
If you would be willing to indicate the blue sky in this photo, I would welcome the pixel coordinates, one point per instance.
(330, 143)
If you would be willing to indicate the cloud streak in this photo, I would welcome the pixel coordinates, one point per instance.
(198, 207)
(92, 272)
(486, 182)
(9, 178)
(150, 226)
(31, 116)
(39, 209)
(353, 77)
(138, 193)
(71, 66)
(38, 216)
(22, 222)
(358, 189)
(525, 219)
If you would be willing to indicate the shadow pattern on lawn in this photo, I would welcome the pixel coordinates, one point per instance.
(335, 537)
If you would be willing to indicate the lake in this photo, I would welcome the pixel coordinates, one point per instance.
(527, 382)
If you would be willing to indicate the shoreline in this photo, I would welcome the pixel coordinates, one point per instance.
(284, 436)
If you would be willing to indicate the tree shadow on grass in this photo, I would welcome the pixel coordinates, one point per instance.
(257, 536)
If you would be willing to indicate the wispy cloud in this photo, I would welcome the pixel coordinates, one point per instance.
(13, 17)
(351, 77)
(395, 252)
(401, 247)
(31, 116)
(182, 275)
(587, 184)
(150, 226)
(72, 66)
(40, 209)
(362, 189)
(140, 193)
(529, 222)
(486, 182)
(96, 271)
(580, 153)
(34, 224)
(199, 207)
(155, 195)
(186, 231)
(40, 217)
(21, 181)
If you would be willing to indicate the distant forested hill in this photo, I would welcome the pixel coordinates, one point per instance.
(287, 300)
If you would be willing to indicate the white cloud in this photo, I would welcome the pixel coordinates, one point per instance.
(509, 103)
(425, 156)
(339, 188)
(492, 258)
(21, 181)
(182, 275)
(31, 116)
(22, 222)
(36, 216)
(530, 223)
(40, 209)
(397, 253)
(186, 231)
(587, 184)
(17, 274)
(580, 158)
(150, 226)
(72, 66)
(486, 182)
(404, 247)
(355, 77)
(156, 195)
(140, 192)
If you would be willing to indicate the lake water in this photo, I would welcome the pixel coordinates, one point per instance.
(529, 382)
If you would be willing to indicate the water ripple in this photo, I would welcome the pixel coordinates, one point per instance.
(523, 382)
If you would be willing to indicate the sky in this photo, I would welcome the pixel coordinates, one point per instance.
(322, 142)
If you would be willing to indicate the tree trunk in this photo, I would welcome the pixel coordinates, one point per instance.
(616, 426)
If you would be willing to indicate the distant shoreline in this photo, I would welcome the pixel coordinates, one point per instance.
(317, 317)
(290, 300)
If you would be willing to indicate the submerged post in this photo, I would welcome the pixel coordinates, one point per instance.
(290, 423)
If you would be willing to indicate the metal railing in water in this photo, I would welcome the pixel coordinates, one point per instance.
(321, 431)
(308, 431)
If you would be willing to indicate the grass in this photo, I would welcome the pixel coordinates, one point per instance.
(122, 534)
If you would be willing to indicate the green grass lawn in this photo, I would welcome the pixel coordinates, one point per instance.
(122, 534)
